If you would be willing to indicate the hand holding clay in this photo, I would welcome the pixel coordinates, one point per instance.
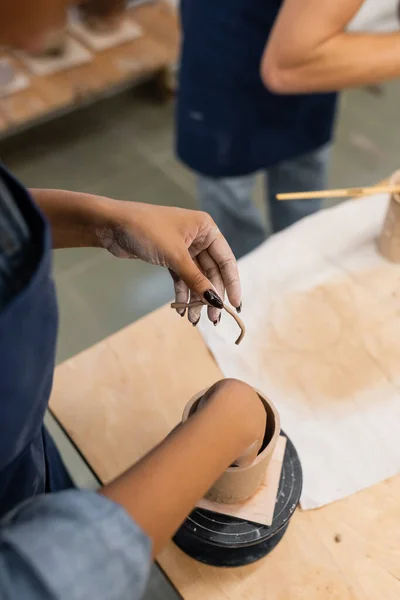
(240, 391)
(186, 242)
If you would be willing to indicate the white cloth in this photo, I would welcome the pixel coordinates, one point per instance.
(377, 15)
(322, 312)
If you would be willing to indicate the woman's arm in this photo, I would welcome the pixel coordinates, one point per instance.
(75, 218)
(187, 242)
(161, 489)
(309, 49)
(78, 544)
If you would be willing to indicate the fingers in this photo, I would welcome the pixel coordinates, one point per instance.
(194, 313)
(181, 292)
(220, 252)
(212, 272)
(196, 281)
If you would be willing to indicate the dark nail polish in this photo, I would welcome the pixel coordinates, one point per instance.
(239, 308)
(183, 313)
(212, 298)
(194, 324)
(218, 321)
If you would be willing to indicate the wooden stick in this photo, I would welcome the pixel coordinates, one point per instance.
(342, 193)
(181, 305)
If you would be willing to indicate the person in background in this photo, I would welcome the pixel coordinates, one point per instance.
(58, 542)
(257, 93)
(230, 126)
(310, 49)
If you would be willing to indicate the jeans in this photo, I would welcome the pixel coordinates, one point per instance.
(229, 200)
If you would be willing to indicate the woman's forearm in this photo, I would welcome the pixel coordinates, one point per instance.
(162, 488)
(310, 50)
(346, 60)
(75, 218)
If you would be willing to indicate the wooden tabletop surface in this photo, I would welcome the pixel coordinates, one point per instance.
(119, 398)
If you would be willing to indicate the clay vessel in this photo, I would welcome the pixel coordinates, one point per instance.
(238, 484)
(102, 16)
(389, 239)
(54, 45)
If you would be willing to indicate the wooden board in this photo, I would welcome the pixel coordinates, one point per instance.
(110, 69)
(119, 398)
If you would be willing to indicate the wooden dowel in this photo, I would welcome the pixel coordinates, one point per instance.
(341, 193)
(229, 310)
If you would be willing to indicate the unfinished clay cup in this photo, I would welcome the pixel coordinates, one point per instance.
(389, 239)
(238, 484)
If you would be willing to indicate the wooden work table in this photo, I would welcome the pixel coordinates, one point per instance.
(119, 398)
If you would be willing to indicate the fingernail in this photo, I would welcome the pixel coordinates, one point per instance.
(212, 298)
(183, 313)
(194, 324)
(218, 321)
(239, 308)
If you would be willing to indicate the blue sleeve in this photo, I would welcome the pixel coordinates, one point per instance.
(73, 545)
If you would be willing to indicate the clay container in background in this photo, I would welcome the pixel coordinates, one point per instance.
(54, 45)
(238, 484)
(389, 240)
(103, 16)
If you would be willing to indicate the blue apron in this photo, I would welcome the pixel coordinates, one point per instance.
(228, 124)
(29, 461)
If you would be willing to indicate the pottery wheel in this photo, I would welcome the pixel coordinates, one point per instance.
(224, 541)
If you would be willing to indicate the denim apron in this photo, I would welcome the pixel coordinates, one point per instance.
(29, 461)
(227, 123)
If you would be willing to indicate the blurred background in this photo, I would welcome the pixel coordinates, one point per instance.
(113, 136)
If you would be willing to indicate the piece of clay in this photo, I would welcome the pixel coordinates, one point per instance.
(184, 305)
(238, 484)
(389, 239)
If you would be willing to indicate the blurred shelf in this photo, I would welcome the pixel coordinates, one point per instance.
(153, 54)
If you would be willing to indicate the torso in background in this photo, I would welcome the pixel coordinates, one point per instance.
(228, 123)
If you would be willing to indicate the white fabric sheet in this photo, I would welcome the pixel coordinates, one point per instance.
(322, 311)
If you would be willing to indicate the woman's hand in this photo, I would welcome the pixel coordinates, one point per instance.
(256, 418)
(190, 460)
(186, 242)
